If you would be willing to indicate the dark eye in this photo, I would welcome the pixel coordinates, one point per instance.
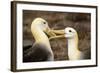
(44, 22)
(70, 31)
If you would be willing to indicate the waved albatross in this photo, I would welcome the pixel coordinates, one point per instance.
(72, 37)
(41, 49)
(73, 50)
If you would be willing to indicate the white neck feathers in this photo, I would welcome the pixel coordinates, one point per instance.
(73, 51)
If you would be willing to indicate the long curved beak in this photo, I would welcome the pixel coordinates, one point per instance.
(55, 34)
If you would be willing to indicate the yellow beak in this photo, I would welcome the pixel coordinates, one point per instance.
(55, 34)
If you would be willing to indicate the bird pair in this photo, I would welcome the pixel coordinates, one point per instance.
(72, 37)
(41, 49)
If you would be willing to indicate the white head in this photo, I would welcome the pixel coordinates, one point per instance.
(39, 23)
(70, 32)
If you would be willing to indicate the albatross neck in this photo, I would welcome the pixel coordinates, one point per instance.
(73, 51)
(40, 36)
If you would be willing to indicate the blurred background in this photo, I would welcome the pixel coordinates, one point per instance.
(60, 20)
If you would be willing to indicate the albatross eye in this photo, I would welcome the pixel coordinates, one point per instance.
(70, 31)
(44, 22)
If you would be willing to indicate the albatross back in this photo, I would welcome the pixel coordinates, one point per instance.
(36, 53)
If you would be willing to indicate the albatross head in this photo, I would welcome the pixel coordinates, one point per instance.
(70, 32)
(40, 23)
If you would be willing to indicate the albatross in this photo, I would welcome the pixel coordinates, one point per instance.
(41, 49)
(72, 37)
(73, 51)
